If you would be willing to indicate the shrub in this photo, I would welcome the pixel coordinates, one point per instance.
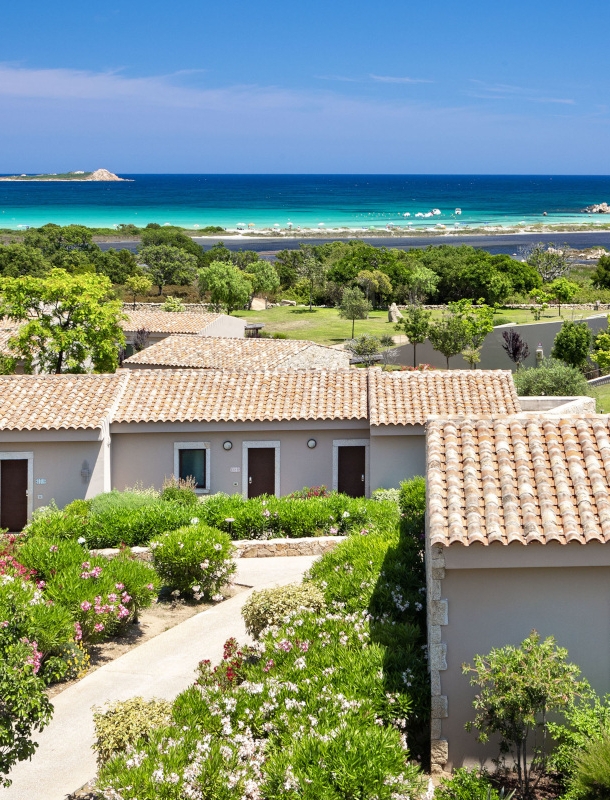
(124, 525)
(120, 727)
(393, 495)
(195, 560)
(309, 491)
(591, 778)
(270, 606)
(413, 506)
(551, 378)
(130, 499)
(180, 491)
(50, 522)
(468, 785)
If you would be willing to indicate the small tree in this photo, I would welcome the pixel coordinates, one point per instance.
(516, 348)
(551, 378)
(518, 688)
(265, 279)
(601, 350)
(388, 351)
(601, 276)
(541, 302)
(354, 305)
(138, 284)
(140, 339)
(572, 344)
(422, 284)
(550, 261)
(563, 291)
(226, 284)
(415, 324)
(168, 265)
(448, 336)
(312, 270)
(374, 282)
(365, 347)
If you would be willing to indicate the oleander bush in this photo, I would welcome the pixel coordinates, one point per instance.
(467, 784)
(268, 607)
(195, 560)
(591, 777)
(120, 724)
(392, 495)
(321, 708)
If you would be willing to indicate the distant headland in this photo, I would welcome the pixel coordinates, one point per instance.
(98, 175)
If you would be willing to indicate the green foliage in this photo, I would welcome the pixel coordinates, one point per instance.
(354, 305)
(138, 284)
(24, 706)
(601, 277)
(265, 279)
(17, 260)
(69, 322)
(364, 347)
(591, 779)
(122, 725)
(563, 291)
(375, 283)
(412, 502)
(549, 260)
(130, 499)
(195, 560)
(415, 324)
(270, 606)
(226, 286)
(311, 269)
(518, 687)
(174, 304)
(467, 784)
(168, 264)
(551, 378)
(52, 239)
(125, 525)
(391, 495)
(169, 236)
(572, 343)
(448, 336)
(601, 350)
(119, 266)
(49, 521)
(180, 491)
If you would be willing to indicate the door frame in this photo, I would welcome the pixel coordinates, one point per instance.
(29, 457)
(337, 443)
(245, 446)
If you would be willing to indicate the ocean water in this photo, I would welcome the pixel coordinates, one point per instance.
(307, 201)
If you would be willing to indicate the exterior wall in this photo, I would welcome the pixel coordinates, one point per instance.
(558, 405)
(396, 456)
(147, 455)
(483, 608)
(60, 463)
(227, 326)
(492, 354)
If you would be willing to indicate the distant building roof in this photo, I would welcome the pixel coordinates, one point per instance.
(51, 402)
(519, 479)
(402, 398)
(239, 354)
(159, 321)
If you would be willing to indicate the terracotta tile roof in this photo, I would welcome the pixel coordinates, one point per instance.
(403, 398)
(210, 395)
(519, 479)
(47, 402)
(237, 354)
(168, 321)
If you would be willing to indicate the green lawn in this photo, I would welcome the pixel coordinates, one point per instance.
(602, 397)
(325, 326)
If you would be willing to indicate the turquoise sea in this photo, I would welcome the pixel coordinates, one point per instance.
(308, 201)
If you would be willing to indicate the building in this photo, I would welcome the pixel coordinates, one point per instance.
(159, 324)
(518, 538)
(199, 352)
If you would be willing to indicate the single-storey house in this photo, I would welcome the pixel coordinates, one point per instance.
(159, 324)
(199, 352)
(518, 538)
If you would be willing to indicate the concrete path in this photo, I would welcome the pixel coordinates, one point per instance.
(162, 667)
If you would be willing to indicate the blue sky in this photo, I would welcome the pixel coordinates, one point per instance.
(329, 87)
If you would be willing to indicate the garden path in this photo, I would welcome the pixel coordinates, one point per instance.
(162, 667)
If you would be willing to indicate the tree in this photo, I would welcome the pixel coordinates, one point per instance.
(516, 348)
(388, 351)
(422, 284)
(312, 270)
(265, 281)
(374, 282)
(518, 688)
(364, 347)
(140, 340)
(21, 259)
(415, 324)
(354, 305)
(563, 291)
(51, 239)
(572, 344)
(552, 378)
(549, 261)
(70, 324)
(601, 276)
(168, 265)
(226, 285)
(118, 265)
(172, 237)
(601, 351)
(24, 706)
(477, 322)
(138, 284)
(541, 302)
(448, 336)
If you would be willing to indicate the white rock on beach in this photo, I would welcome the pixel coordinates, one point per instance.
(599, 208)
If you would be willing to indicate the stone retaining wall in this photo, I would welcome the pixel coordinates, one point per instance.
(253, 548)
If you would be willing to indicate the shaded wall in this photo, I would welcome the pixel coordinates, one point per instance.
(396, 455)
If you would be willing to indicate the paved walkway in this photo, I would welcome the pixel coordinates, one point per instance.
(162, 667)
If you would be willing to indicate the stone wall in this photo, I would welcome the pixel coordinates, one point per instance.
(437, 656)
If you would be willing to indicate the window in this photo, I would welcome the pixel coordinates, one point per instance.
(192, 460)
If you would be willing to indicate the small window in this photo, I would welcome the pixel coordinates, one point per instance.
(192, 465)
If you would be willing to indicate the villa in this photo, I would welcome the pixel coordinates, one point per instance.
(159, 324)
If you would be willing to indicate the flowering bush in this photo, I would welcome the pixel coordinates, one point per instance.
(195, 560)
(320, 708)
(121, 724)
(269, 606)
(309, 491)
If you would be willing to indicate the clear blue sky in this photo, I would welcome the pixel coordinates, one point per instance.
(333, 86)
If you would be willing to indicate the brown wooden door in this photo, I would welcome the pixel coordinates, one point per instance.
(352, 465)
(13, 494)
(261, 471)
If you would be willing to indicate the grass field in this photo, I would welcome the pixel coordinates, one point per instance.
(602, 397)
(325, 326)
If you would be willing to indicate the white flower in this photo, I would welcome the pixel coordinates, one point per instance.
(81, 540)
(217, 546)
(217, 598)
(195, 521)
(345, 514)
(196, 589)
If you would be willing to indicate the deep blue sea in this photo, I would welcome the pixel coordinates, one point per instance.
(324, 202)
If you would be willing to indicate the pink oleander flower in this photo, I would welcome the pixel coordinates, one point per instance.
(122, 612)
(96, 572)
(4, 624)
(125, 598)
(41, 584)
(304, 646)
(85, 605)
(86, 565)
(269, 665)
(119, 586)
(85, 575)
(78, 632)
(266, 513)
(112, 598)
(285, 645)
(333, 531)
(53, 548)
(149, 586)
(98, 627)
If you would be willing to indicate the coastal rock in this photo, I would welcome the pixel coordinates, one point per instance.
(103, 175)
(599, 208)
